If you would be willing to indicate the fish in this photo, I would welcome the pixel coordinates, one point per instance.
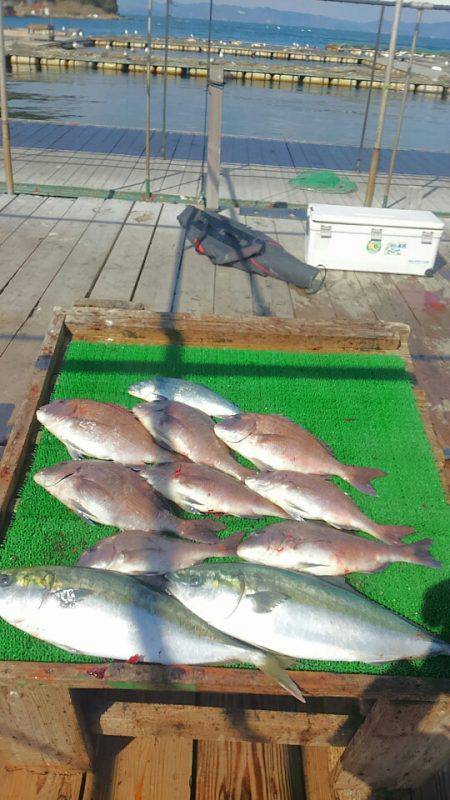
(315, 497)
(115, 616)
(299, 615)
(111, 494)
(191, 394)
(138, 552)
(321, 550)
(204, 490)
(275, 442)
(101, 430)
(190, 432)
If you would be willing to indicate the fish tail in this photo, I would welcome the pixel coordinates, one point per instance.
(418, 553)
(228, 546)
(439, 648)
(361, 478)
(199, 530)
(270, 665)
(391, 534)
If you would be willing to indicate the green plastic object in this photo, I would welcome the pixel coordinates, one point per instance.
(323, 180)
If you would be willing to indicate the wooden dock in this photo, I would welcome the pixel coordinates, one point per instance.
(65, 158)
(54, 251)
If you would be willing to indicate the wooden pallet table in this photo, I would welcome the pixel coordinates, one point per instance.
(378, 731)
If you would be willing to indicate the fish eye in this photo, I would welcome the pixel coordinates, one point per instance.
(194, 580)
(5, 580)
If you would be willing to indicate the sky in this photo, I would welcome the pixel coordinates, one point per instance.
(361, 13)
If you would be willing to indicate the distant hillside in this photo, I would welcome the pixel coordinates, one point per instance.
(67, 8)
(265, 15)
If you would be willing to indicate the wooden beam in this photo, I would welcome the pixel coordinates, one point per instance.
(20, 784)
(227, 680)
(398, 746)
(144, 768)
(252, 333)
(41, 728)
(20, 438)
(243, 770)
(318, 766)
(219, 724)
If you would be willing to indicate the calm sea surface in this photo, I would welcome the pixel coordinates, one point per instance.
(315, 114)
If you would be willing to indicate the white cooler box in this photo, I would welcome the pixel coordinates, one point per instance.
(372, 239)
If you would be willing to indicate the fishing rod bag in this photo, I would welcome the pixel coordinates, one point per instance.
(231, 244)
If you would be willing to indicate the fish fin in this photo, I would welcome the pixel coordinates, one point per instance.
(272, 665)
(75, 454)
(361, 478)
(199, 530)
(82, 513)
(392, 534)
(418, 553)
(266, 601)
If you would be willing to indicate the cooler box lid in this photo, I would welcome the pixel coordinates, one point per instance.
(379, 217)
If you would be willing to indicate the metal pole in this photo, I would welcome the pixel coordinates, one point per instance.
(369, 93)
(205, 120)
(166, 58)
(373, 170)
(215, 92)
(4, 112)
(402, 108)
(148, 98)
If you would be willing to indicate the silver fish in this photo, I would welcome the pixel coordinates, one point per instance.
(137, 552)
(101, 430)
(192, 394)
(205, 490)
(111, 494)
(321, 550)
(189, 432)
(274, 442)
(315, 497)
(298, 615)
(114, 616)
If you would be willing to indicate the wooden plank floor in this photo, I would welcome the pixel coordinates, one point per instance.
(111, 159)
(55, 251)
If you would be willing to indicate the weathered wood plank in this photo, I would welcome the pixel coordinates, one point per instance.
(122, 268)
(218, 679)
(251, 333)
(16, 449)
(145, 768)
(20, 784)
(316, 772)
(157, 282)
(398, 746)
(219, 724)
(195, 287)
(237, 770)
(41, 727)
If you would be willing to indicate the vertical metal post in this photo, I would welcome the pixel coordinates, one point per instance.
(373, 170)
(166, 58)
(148, 98)
(215, 92)
(4, 112)
(402, 107)
(205, 116)
(369, 93)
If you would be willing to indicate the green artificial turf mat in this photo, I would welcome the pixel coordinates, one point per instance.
(362, 405)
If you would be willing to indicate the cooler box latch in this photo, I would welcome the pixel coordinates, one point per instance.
(427, 237)
(376, 233)
(325, 231)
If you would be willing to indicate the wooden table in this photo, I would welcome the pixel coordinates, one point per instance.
(380, 731)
